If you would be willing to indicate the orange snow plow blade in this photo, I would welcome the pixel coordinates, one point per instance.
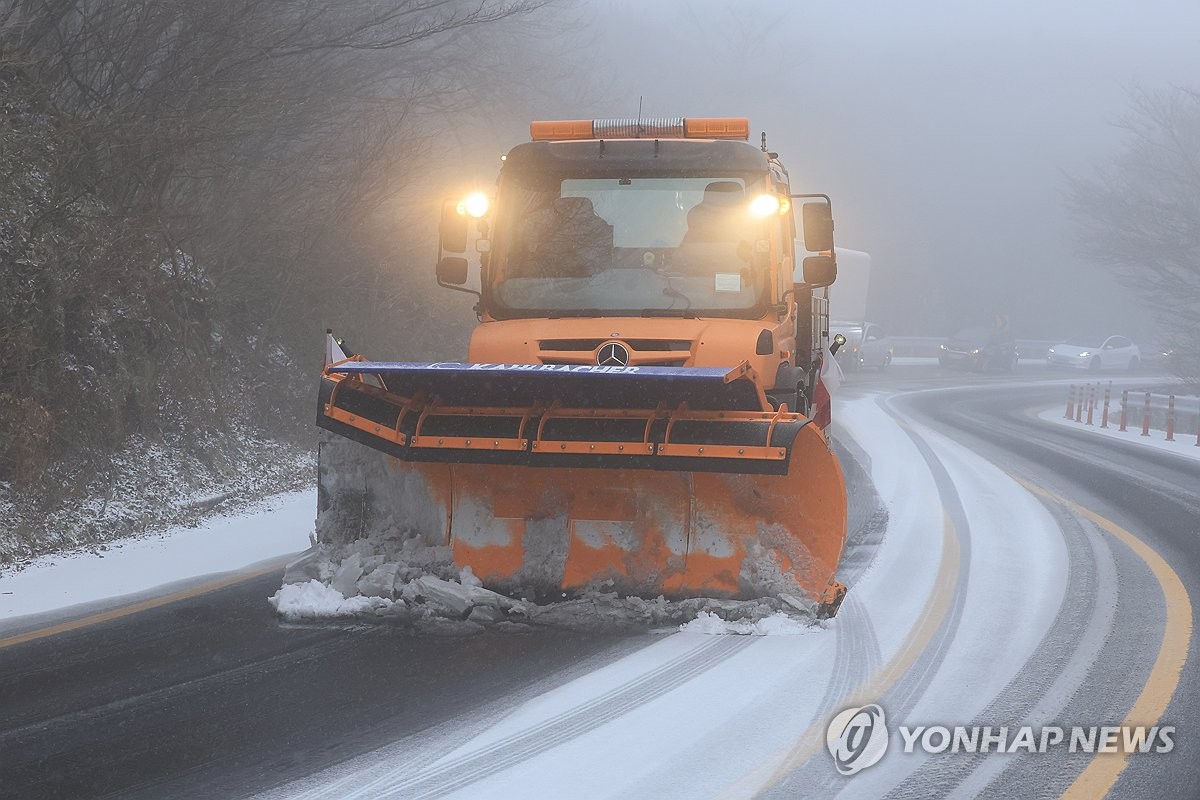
(574, 479)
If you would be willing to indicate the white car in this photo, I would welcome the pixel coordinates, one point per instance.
(866, 345)
(1115, 352)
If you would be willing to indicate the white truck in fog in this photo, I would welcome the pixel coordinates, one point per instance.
(848, 300)
(867, 345)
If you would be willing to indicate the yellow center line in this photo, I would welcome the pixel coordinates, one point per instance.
(135, 608)
(1104, 769)
(937, 606)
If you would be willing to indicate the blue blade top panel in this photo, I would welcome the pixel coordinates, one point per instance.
(571, 385)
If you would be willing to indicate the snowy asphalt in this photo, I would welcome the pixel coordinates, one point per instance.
(212, 697)
(1105, 643)
(1008, 607)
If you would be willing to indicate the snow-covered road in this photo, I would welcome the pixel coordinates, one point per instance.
(955, 599)
(1003, 571)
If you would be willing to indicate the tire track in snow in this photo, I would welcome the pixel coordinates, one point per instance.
(1067, 679)
(447, 777)
(812, 776)
(856, 648)
(1044, 684)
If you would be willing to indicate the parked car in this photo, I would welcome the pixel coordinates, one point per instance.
(979, 349)
(867, 345)
(1115, 352)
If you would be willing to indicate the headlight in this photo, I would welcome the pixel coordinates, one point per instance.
(476, 205)
(976, 351)
(764, 205)
(941, 347)
(1085, 354)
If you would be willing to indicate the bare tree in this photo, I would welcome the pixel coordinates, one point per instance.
(1140, 215)
(190, 188)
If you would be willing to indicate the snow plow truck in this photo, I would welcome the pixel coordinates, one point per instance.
(640, 406)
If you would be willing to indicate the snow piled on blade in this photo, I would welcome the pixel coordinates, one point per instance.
(408, 582)
(299, 601)
(778, 624)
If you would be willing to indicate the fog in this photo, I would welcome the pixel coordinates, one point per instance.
(944, 131)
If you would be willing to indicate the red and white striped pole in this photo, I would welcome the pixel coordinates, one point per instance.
(1104, 416)
(1091, 402)
(1125, 414)
(1146, 417)
(1171, 418)
(1070, 402)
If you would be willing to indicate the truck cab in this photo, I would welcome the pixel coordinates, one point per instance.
(660, 249)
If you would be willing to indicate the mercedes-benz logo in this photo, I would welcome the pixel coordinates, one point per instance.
(612, 354)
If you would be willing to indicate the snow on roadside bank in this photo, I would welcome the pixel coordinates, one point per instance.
(1184, 444)
(272, 528)
(150, 487)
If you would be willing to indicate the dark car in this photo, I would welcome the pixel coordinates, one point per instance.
(979, 349)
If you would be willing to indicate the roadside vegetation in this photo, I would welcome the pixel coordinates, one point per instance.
(1140, 216)
(190, 192)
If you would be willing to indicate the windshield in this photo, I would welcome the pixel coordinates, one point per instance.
(1082, 344)
(628, 245)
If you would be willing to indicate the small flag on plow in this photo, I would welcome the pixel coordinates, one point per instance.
(827, 385)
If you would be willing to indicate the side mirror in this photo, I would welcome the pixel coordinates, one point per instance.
(820, 271)
(818, 228)
(452, 270)
(453, 229)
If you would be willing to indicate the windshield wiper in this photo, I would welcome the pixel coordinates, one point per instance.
(686, 313)
(577, 312)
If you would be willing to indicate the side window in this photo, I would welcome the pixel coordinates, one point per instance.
(1120, 341)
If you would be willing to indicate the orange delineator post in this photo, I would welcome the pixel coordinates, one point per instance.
(1070, 402)
(1079, 406)
(1125, 410)
(1104, 415)
(1171, 418)
(1091, 403)
(1146, 416)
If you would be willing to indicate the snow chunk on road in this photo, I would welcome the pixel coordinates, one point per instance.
(453, 597)
(778, 624)
(379, 582)
(300, 601)
(345, 581)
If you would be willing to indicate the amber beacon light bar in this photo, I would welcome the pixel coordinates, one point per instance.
(650, 128)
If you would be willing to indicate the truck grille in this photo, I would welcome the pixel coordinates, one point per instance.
(645, 352)
(634, 344)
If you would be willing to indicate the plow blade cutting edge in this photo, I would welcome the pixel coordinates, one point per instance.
(546, 478)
